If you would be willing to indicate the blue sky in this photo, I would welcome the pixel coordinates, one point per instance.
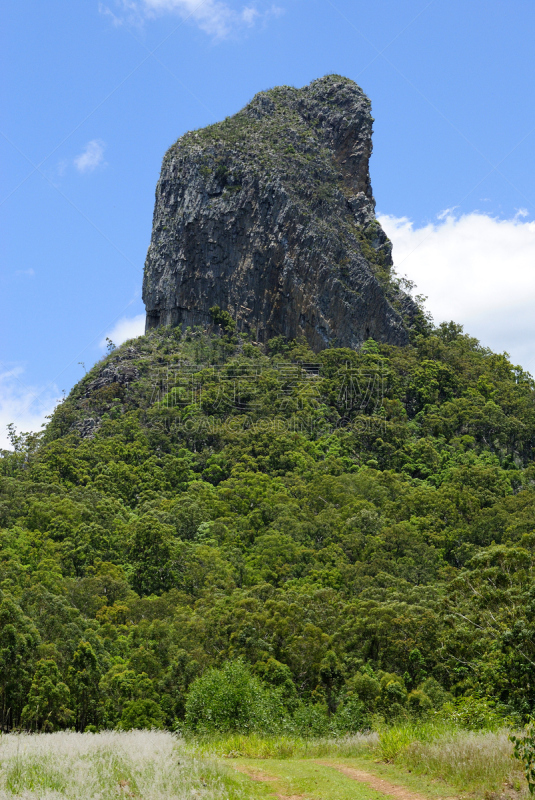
(98, 90)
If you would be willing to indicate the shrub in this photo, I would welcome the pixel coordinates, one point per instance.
(141, 714)
(350, 717)
(312, 719)
(393, 696)
(418, 702)
(367, 688)
(524, 751)
(222, 318)
(473, 713)
(232, 699)
(279, 675)
(434, 691)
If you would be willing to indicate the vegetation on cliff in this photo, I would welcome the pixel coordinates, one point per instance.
(339, 537)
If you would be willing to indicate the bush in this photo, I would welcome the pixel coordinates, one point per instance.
(232, 700)
(473, 713)
(350, 717)
(280, 676)
(222, 318)
(141, 714)
(434, 691)
(393, 698)
(524, 751)
(311, 719)
(367, 688)
(419, 703)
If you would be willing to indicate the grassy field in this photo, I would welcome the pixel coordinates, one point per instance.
(139, 764)
(406, 762)
(434, 760)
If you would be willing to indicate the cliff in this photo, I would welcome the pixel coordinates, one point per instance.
(270, 215)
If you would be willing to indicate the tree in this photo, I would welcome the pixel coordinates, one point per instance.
(47, 707)
(150, 552)
(222, 318)
(83, 679)
(331, 678)
(141, 713)
(127, 696)
(18, 644)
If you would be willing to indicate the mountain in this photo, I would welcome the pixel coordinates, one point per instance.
(270, 216)
(356, 527)
(227, 501)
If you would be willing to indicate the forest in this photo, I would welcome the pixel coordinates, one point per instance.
(216, 535)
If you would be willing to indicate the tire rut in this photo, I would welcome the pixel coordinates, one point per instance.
(375, 782)
(258, 775)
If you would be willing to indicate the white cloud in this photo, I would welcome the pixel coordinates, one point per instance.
(249, 15)
(30, 272)
(125, 328)
(107, 12)
(25, 406)
(476, 270)
(217, 18)
(91, 157)
(212, 16)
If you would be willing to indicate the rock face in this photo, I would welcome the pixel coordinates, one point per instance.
(270, 216)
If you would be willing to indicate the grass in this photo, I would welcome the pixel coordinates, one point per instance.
(469, 760)
(152, 765)
(304, 778)
(280, 747)
(432, 759)
(413, 754)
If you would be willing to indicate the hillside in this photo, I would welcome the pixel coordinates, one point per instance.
(357, 527)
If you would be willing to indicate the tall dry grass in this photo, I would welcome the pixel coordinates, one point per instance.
(138, 764)
(476, 761)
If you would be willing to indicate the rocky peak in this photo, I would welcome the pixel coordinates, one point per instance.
(270, 215)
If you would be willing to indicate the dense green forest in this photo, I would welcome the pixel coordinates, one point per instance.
(211, 534)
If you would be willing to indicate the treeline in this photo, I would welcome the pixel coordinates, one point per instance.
(347, 534)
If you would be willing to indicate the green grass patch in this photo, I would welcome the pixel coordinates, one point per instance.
(296, 777)
(255, 746)
(433, 757)
(426, 785)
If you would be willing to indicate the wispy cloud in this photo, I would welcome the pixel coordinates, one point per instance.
(124, 329)
(25, 406)
(476, 270)
(91, 157)
(217, 18)
(30, 272)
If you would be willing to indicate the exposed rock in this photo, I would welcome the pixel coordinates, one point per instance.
(121, 373)
(87, 427)
(270, 215)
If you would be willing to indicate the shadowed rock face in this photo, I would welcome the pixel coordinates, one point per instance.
(270, 215)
